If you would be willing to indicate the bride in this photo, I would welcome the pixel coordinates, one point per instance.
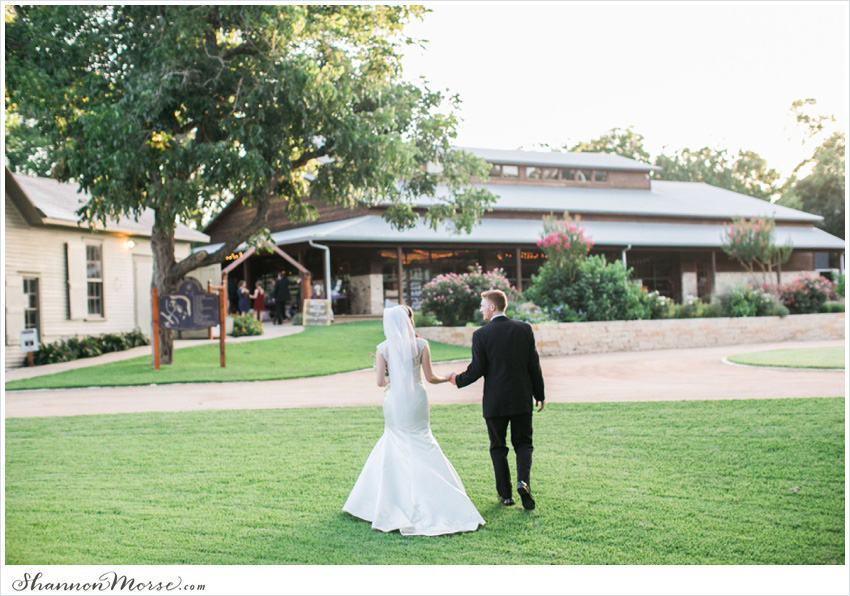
(407, 484)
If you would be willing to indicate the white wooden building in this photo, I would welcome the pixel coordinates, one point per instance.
(64, 279)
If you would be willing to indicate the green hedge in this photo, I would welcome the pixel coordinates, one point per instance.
(73, 348)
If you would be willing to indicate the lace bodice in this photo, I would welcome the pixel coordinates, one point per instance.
(420, 347)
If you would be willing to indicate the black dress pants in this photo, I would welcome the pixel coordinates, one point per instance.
(497, 427)
(279, 312)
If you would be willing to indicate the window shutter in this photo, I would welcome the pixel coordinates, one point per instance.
(14, 308)
(77, 289)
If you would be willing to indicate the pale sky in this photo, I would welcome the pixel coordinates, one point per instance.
(684, 74)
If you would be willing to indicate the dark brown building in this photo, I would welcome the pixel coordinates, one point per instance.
(670, 233)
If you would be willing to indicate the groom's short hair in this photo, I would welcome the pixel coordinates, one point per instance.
(497, 297)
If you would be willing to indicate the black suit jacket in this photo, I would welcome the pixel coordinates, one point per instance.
(503, 352)
(281, 290)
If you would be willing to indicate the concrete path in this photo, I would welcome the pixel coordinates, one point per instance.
(270, 331)
(662, 375)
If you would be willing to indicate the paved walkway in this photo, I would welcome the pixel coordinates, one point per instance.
(270, 331)
(659, 375)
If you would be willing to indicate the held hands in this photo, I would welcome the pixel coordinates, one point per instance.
(453, 379)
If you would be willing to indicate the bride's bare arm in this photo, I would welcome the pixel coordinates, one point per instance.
(381, 370)
(427, 370)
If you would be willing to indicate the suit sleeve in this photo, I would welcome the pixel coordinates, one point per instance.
(476, 368)
(534, 370)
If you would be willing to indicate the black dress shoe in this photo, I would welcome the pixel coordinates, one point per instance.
(507, 502)
(525, 495)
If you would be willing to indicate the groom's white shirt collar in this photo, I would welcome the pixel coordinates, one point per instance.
(498, 315)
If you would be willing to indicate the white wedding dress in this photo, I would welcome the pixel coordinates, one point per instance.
(407, 484)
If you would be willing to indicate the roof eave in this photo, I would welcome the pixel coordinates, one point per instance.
(21, 200)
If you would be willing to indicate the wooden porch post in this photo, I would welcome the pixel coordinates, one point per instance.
(518, 269)
(400, 275)
(713, 273)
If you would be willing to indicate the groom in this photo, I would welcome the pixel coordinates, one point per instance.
(503, 352)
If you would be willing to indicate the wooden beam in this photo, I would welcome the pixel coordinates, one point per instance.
(222, 316)
(244, 256)
(209, 291)
(713, 273)
(155, 317)
(292, 261)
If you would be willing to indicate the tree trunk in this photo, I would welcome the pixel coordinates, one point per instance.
(162, 246)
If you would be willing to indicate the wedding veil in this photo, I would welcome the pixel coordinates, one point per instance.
(401, 347)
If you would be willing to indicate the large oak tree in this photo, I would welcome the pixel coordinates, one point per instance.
(181, 108)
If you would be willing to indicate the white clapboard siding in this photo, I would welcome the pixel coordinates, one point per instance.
(41, 252)
(14, 308)
(77, 288)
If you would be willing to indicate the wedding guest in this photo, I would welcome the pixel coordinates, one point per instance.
(243, 297)
(259, 298)
(281, 298)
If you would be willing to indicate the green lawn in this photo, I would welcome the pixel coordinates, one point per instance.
(688, 482)
(794, 358)
(313, 352)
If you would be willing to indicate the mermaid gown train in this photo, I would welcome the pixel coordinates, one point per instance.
(407, 484)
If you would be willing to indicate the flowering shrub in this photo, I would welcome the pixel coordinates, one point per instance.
(564, 244)
(751, 302)
(454, 298)
(839, 285)
(752, 243)
(656, 306)
(806, 294)
(246, 325)
(693, 308)
(528, 312)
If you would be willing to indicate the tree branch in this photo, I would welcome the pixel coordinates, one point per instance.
(203, 258)
(306, 157)
(245, 49)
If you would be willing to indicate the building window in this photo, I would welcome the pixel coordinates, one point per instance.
(94, 278)
(31, 311)
(600, 176)
(538, 173)
(568, 174)
(583, 175)
(504, 171)
(509, 171)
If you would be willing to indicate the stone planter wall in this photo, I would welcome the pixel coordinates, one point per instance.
(628, 336)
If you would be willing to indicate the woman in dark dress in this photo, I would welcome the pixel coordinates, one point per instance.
(259, 297)
(244, 295)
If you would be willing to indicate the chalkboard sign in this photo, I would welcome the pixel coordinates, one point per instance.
(317, 312)
(189, 308)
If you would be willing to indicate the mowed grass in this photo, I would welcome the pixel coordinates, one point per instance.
(794, 357)
(688, 482)
(313, 352)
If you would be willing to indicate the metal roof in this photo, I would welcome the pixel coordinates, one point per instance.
(57, 202)
(666, 197)
(373, 228)
(583, 159)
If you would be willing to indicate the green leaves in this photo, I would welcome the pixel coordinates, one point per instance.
(746, 173)
(180, 108)
(752, 242)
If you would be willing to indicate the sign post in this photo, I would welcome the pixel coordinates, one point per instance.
(29, 343)
(189, 308)
(155, 312)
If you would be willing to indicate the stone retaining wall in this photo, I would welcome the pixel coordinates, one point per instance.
(628, 336)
